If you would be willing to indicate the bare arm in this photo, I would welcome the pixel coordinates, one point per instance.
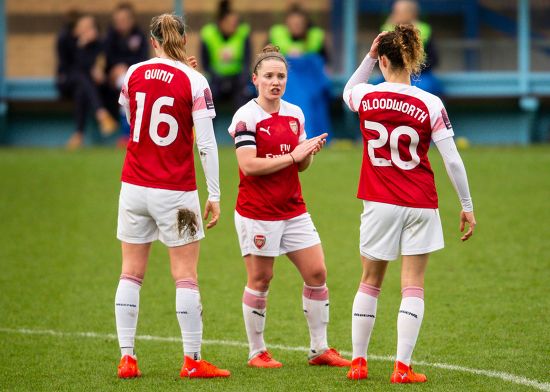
(252, 165)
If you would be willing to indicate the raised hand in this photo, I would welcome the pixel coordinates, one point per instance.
(373, 52)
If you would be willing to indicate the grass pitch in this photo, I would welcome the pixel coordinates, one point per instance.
(487, 300)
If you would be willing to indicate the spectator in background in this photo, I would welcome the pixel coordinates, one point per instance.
(125, 45)
(298, 36)
(407, 12)
(225, 53)
(80, 74)
(304, 46)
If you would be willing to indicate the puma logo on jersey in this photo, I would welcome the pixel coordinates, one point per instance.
(265, 130)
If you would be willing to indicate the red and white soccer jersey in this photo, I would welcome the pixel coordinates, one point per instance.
(397, 123)
(164, 97)
(276, 196)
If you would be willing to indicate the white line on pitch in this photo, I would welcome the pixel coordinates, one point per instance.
(543, 386)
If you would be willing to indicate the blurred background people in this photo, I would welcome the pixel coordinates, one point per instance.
(407, 12)
(298, 36)
(80, 73)
(225, 56)
(125, 44)
(304, 46)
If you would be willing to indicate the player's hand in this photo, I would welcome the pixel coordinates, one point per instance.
(192, 62)
(214, 208)
(373, 52)
(321, 143)
(469, 218)
(307, 147)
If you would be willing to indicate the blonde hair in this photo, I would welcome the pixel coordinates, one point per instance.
(404, 48)
(269, 51)
(169, 30)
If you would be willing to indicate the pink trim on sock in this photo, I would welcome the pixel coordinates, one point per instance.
(316, 293)
(133, 279)
(187, 284)
(412, 291)
(254, 301)
(369, 290)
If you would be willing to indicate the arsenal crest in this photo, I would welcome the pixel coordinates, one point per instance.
(259, 241)
(293, 126)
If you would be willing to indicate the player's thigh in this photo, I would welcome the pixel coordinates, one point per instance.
(178, 216)
(413, 270)
(257, 237)
(380, 231)
(300, 233)
(184, 260)
(135, 223)
(135, 258)
(422, 232)
(310, 262)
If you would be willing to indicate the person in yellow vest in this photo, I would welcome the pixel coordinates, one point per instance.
(298, 36)
(406, 12)
(225, 54)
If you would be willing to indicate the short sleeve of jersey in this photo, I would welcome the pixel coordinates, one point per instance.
(243, 129)
(353, 96)
(302, 119)
(441, 125)
(203, 104)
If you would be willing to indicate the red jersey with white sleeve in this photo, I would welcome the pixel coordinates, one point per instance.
(275, 196)
(397, 123)
(163, 98)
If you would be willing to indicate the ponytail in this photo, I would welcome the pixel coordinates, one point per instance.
(404, 48)
(169, 31)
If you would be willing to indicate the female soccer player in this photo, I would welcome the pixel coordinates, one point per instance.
(397, 187)
(164, 98)
(271, 217)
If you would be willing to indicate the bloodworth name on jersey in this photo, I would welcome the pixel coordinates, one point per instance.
(394, 104)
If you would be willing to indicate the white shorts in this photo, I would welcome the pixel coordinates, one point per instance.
(386, 227)
(147, 214)
(275, 238)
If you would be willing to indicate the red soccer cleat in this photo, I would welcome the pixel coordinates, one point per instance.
(330, 357)
(128, 367)
(201, 369)
(403, 374)
(264, 360)
(359, 369)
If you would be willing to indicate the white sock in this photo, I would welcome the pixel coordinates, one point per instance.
(126, 312)
(409, 320)
(363, 318)
(254, 313)
(189, 314)
(316, 310)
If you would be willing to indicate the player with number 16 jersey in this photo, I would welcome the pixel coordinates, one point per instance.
(168, 105)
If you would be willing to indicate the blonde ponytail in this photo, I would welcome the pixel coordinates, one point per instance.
(169, 31)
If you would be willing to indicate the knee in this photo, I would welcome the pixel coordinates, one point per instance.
(316, 277)
(260, 282)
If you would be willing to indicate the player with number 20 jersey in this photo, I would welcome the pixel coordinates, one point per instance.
(400, 216)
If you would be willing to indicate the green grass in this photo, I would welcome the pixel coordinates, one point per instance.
(487, 300)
